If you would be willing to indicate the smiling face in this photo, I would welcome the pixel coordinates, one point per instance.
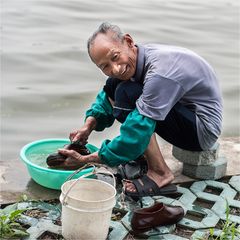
(115, 58)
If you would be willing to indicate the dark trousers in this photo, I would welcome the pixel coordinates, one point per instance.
(179, 126)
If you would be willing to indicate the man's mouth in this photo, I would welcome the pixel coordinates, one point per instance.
(124, 71)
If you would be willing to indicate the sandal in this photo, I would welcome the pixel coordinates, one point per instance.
(133, 169)
(145, 186)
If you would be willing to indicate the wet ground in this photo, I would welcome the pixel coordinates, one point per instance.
(204, 204)
(16, 181)
(204, 201)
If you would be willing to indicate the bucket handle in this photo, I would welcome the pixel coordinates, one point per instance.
(94, 171)
(80, 169)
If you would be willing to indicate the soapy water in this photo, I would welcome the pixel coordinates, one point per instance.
(39, 159)
(38, 156)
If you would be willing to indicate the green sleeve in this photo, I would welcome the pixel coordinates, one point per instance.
(101, 110)
(135, 134)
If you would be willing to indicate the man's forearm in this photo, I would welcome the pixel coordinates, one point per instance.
(91, 158)
(90, 123)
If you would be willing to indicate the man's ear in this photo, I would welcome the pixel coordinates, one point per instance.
(128, 40)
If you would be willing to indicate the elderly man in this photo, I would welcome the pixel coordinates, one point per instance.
(151, 88)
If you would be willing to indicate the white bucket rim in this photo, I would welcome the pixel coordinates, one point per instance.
(87, 201)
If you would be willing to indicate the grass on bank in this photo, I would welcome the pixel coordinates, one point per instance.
(229, 230)
(9, 227)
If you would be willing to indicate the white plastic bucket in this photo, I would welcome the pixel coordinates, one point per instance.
(86, 208)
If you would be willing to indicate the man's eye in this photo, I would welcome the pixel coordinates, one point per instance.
(105, 67)
(115, 56)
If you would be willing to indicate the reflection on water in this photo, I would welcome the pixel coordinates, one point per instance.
(48, 80)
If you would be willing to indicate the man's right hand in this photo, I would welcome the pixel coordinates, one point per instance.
(83, 133)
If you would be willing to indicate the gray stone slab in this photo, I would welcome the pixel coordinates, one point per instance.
(26, 220)
(165, 200)
(178, 203)
(43, 226)
(213, 171)
(126, 221)
(220, 209)
(203, 234)
(147, 201)
(125, 204)
(172, 202)
(119, 232)
(196, 157)
(157, 231)
(210, 219)
(52, 211)
(187, 198)
(235, 182)
(226, 191)
(167, 237)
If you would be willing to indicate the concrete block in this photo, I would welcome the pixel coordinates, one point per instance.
(118, 232)
(157, 231)
(220, 209)
(43, 225)
(187, 198)
(167, 237)
(125, 203)
(197, 157)
(147, 201)
(212, 171)
(235, 182)
(204, 234)
(226, 192)
(210, 219)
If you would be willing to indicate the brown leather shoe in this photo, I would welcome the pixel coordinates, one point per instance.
(159, 214)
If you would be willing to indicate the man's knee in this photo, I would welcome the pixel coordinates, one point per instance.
(127, 93)
(110, 87)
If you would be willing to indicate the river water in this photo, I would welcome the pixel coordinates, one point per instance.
(48, 80)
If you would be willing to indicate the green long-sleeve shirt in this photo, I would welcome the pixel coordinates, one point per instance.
(135, 132)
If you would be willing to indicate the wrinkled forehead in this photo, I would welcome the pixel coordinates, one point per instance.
(106, 40)
(103, 43)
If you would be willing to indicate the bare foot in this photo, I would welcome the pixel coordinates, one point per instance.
(160, 180)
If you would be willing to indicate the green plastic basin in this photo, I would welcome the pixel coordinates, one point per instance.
(34, 156)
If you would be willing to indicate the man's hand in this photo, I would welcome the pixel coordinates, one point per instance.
(71, 153)
(83, 133)
(93, 157)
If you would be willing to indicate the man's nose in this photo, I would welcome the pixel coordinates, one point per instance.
(116, 69)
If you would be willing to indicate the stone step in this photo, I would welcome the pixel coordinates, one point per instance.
(197, 157)
(213, 171)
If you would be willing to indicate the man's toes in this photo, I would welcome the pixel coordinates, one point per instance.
(131, 188)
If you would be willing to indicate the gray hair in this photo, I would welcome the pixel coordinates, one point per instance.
(104, 28)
